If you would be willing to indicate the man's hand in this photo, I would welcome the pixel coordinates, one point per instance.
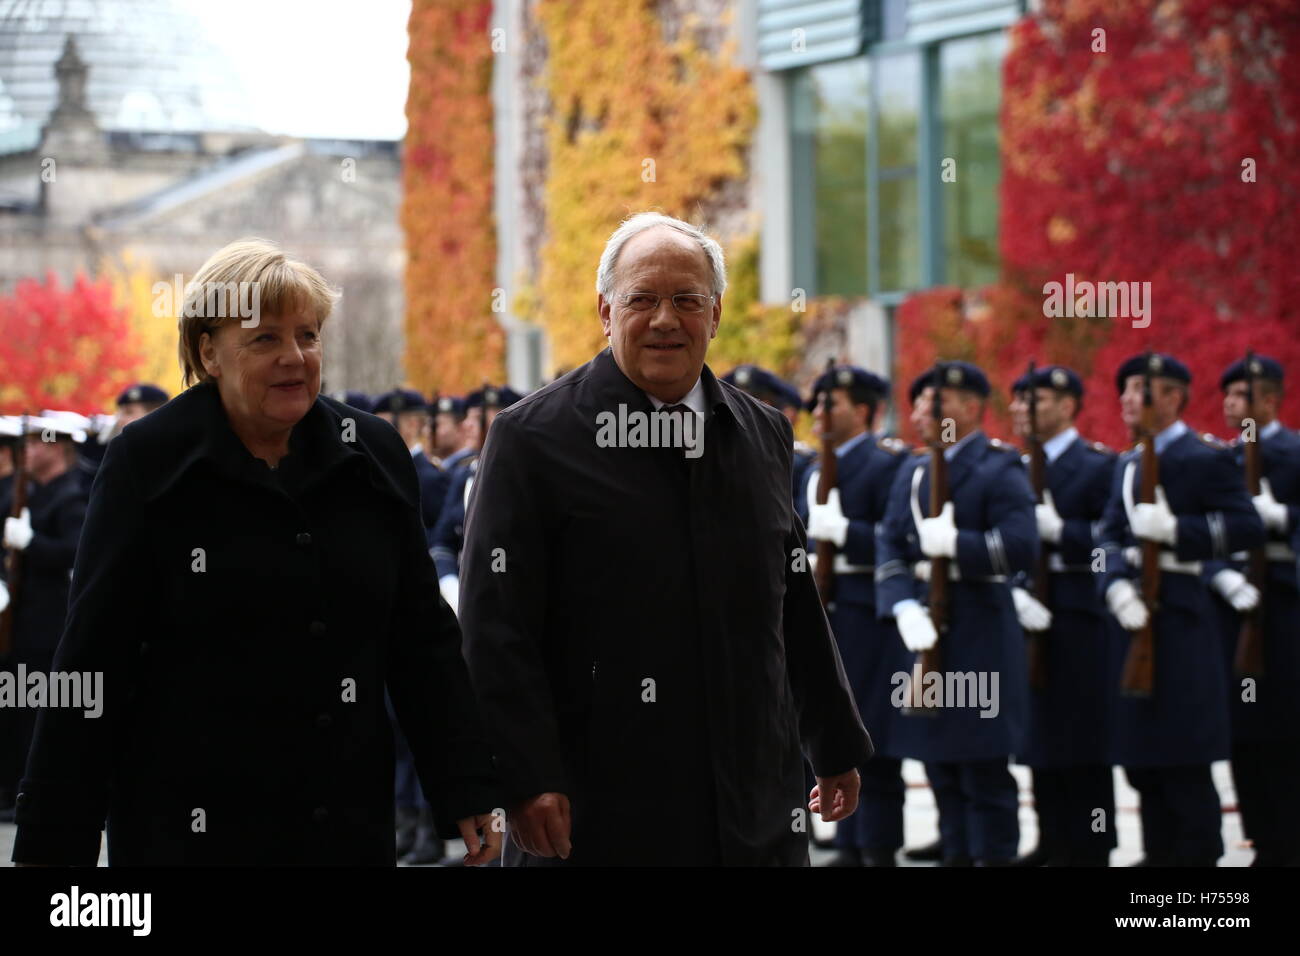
(827, 522)
(939, 535)
(914, 626)
(1271, 511)
(1050, 522)
(1127, 606)
(1031, 612)
(18, 531)
(841, 796)
(540, 825)
(490, 847)
(1236, 590)
(1155, 522)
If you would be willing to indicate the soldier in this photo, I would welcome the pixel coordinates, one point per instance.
(449, 438)
(869, 646)
(481, 408)
(1166, 741)
(137, 401)
(1266, 717)
(406, 409)
(1067, 745)
(10, 433)
(771, 390)
(358, 400)
(975, 712)
(45, 535)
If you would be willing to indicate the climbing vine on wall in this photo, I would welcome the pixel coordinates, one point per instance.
(453, 339)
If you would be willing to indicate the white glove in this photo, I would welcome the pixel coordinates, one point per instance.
(18, 531)
(1032, 613)
(1155, 522)
(1236, 590)
(4, 597)
(1271, 511)
(449, 585)
(1050, 521)
(1123, 600)
(914, 626)
(827, 522)
(939, 535)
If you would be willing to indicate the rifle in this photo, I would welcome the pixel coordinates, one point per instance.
(930, 661)
(1139, 665)
(828, 476)
(1036, 652)
(14, 557)
(1249, 658)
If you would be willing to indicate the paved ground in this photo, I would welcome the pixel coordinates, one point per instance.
(920, 824)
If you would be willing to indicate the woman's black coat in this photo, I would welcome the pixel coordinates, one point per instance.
(247, 623)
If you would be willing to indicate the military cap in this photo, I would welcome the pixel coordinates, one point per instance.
(754, 380)
(847, 376)
(142, 392)
(400, 400)
(358, 400)
(63, 424)
(956, 374)
(919, 384)
(492, 396)
(1262, 367)
(1056, 377)
(11, 426)
(450, 405)
(786, 395)
(1162, 365)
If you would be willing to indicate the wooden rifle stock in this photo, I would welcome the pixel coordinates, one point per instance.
(1034, 648)
(828, 477)
(931, 661)
(1139, 666)
(1249, 658)
(14, 557)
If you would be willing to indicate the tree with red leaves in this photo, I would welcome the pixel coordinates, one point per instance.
(64, 348)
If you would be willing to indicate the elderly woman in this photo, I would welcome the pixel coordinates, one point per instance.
(251, 578)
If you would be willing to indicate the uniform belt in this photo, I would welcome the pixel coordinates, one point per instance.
(1273, 551)
(842, 565)
(1167, 562)
(922, 572)
(1057, 564)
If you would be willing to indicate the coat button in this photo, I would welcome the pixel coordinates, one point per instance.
(304, 539)
(320, 815)
(324, 721)
(317, 628)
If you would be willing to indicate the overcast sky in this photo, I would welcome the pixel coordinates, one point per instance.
(326, 68)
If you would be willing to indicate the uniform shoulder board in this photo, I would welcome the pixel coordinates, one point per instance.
(1003, 446)
(892, 445)
(1214, 441)
(1103, 448)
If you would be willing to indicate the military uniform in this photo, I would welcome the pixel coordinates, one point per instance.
(1167, 741)
(769, 388)
(1068, 741)
(869, 645)
(433, 479)
(1265, 718)
(965, 753)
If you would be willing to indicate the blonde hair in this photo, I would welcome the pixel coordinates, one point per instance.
(281, 284)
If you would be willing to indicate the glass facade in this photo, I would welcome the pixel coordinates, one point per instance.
(873, 214)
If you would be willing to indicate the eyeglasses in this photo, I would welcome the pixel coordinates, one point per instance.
(685, 303)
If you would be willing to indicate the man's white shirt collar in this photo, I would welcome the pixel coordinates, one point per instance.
(1170, 435)
(1053, 447)
(694, 399)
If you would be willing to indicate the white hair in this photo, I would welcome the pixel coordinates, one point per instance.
(649, 220)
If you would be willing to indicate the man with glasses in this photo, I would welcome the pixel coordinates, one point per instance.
(640, 619)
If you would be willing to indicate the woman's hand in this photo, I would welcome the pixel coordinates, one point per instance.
(489, 848)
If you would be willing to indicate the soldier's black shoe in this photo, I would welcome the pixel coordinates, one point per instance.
(880, 857)
(1037, 857)
(849, 856)
(958, 861)
(930, 853)
(995, 863)
(407, 819)
(1153, 861)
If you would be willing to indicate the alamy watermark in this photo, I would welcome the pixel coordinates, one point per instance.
(949, 689)
(661, 429)
(1099, 300)
(74, 690)
(215, 300)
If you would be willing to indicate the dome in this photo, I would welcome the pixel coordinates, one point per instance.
(149, 65)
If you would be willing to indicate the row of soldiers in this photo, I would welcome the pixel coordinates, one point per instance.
(47, 465)
(1083, 536)
(444, 435)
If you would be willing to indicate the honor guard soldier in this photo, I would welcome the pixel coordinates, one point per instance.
(1071, 675)
(966, 718)
(869, 646)
(405, 408)
(1265, 692)
(481, 408)
(43, 537)
(449, 440)
(1172, 723)
(358, 400)
(771, 390)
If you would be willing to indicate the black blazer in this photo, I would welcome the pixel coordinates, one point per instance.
(247, 623)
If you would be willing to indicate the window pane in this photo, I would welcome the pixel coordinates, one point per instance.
(898, 84)
(970, 81)
(830, 130)
(900, 234)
